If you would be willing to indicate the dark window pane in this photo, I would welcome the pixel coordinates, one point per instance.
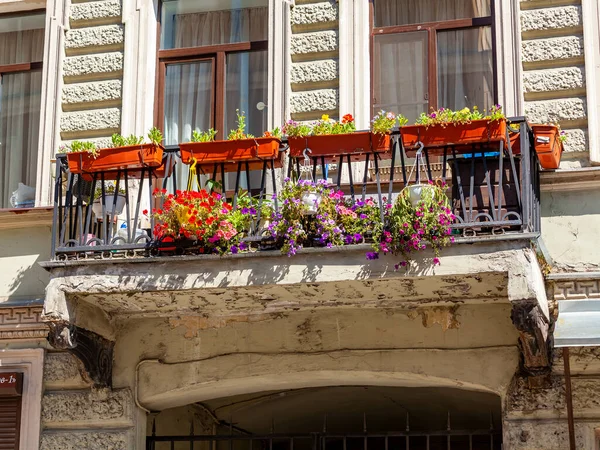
(405, 12)
(190, 23)
(20, 101)
(465, 68)
(400, 75)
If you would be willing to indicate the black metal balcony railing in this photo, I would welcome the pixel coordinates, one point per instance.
(494, 194)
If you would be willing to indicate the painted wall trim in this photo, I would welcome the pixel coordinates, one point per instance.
(591, 39)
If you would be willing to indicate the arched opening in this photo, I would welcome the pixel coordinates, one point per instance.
(335, 418)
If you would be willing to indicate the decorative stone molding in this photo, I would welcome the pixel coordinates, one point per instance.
(95, 352)
(22, 322)
(534, 341)
(86, 440)
(88, 409)
(576, 290)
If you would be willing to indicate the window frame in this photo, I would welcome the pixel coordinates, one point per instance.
(432, 28)
(218, 53)
(26, 67)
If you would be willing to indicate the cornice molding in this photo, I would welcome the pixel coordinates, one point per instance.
(22, 322)
(570, 180)
(25, 218)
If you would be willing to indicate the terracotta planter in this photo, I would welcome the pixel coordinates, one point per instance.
(437, 136)
(548, 145)
(110, 160)
(231, 152)
(355, 144)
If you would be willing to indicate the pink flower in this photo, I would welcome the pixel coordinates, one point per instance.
(436, 261)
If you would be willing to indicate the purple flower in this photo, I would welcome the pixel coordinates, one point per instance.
(358, 237)
(245, 210)
(372, 255)
(243, 246)
(234, 249)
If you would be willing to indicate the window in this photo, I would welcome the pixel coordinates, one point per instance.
(212, 62)
(21, 50)
(430, 54)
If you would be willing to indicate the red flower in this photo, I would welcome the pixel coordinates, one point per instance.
(347, 118)
(145, 212)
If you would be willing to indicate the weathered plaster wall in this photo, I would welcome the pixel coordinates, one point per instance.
(21, 249)
(93, 71)
(554, 71)
(76, 416)
(570, 229)
(314, 52)
(536, 418)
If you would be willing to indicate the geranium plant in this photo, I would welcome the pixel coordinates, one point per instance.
(413, 228)
(205, 218)
(326, 126)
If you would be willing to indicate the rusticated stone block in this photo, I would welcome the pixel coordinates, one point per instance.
(92, 92)
(314, 13)
(86, 441)
(317, 42)
(99, 11)
(554, 111)
(99, 119)
(87, 65)
(63, 370)
(82, 38)
(577, 141)
(551, 18)
(315, 72)
(317, 100)
(535, 435)
(540, 50)
(86, 408)
(549, 80)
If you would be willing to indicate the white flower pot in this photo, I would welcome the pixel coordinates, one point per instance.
(311, 201)
(108, 201)
(415, 192)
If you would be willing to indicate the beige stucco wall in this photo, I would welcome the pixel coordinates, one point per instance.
(571, 229)
(21, 249)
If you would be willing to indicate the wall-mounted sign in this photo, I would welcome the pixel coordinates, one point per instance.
(11, 384)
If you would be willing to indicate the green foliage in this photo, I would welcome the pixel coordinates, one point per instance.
(204, 136)
(445, 117)
(326, 126)
(81, 146)
(122, 141)
(155, 136)
(295, 129)
(384, 121)
(240, 132)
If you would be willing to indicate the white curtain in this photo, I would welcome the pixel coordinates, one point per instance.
(20, 97)
(403, 12)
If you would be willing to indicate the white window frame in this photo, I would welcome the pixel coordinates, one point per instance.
(355, 59)
(30, 362)
(591, 36)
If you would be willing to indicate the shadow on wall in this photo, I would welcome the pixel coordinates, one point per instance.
(570, 228)
(21, 250)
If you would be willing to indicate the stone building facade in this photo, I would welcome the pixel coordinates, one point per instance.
(116, 351)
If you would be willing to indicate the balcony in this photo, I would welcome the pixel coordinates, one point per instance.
(493, 198)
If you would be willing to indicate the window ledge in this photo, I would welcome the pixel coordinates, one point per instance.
(570, 180)
(25, 217)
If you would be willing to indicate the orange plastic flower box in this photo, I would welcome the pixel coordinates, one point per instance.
(357, 145)
(548, 146)
(111, 160)
(230, 152)
(438, 136)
